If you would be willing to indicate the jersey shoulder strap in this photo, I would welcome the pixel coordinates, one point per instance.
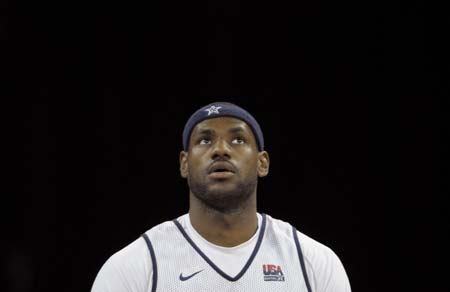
(153, 259)
(301, 259)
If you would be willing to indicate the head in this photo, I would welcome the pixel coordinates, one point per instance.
(223, 157)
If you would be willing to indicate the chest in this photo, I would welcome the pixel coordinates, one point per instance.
(273, 266)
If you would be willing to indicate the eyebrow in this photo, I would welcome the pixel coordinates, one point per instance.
(236, 130)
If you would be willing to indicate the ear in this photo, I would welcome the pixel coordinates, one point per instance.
(183, 164)
(263, 163)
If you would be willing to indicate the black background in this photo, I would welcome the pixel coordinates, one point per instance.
(352, 98)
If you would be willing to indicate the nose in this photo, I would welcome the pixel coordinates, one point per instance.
(221, 149)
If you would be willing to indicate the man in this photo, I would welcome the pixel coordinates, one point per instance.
(223, 243)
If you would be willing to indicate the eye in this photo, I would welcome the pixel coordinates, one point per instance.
(238, 140)
(204, 141)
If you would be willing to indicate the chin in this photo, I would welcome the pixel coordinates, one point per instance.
(220, 196)
(222, 189)
(224, 196)
(225, 201)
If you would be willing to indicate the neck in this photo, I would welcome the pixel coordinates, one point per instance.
(224, 229)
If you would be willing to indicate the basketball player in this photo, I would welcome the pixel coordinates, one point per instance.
(223, 243)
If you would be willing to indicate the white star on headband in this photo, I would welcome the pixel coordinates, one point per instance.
(213, 110)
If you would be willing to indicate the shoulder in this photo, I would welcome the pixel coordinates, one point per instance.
(125, 270)
(164, 229)
(130, 268)
(316, 254)
(313, 250)
(137, 252)
(327, 270)
(323, 266)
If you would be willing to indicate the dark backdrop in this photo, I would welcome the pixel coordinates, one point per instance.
(351, 96)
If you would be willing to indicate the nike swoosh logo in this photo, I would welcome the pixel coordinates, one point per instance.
(182, 278)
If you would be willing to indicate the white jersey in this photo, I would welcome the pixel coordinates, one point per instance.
(168, 258)
(229, 259)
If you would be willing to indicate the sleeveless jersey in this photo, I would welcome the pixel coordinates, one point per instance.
(276, 263)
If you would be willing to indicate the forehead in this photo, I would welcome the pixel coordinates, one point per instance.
(222, 124)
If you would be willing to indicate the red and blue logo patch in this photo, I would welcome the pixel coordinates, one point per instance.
(273, 273)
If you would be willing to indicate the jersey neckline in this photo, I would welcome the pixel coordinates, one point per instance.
(202, 243)
(213, 265)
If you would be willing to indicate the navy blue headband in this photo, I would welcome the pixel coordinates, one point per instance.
(219, 109)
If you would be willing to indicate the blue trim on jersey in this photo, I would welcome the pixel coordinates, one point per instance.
(300, 256)
(218, 270)
(152, 255)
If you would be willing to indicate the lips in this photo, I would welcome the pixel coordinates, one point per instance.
(219, 167)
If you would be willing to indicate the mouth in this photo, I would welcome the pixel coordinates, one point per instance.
(221, 170)
(220, 174)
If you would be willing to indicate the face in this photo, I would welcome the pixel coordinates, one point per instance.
(223, 163)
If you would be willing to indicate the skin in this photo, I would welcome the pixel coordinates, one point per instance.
(222, 209)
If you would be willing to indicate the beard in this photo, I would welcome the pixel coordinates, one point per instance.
(224, 201)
